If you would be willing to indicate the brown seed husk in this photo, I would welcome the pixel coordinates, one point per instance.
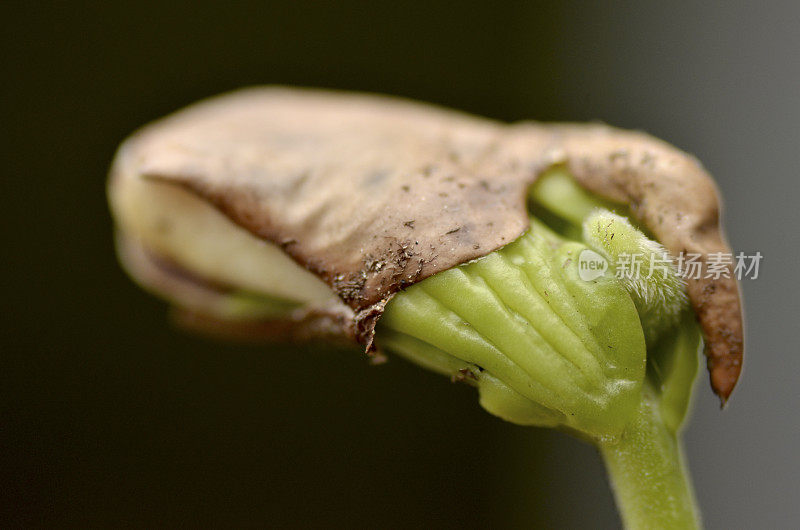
(373, 194)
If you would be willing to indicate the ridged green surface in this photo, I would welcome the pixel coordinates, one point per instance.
(543, 346)
(612, 359)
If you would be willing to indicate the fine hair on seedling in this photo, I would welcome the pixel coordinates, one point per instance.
(643, 266)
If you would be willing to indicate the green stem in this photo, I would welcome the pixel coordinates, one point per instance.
(648, 475)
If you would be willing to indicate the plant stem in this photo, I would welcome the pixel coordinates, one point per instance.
(647, 473)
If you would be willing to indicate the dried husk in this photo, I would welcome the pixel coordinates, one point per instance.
(373, 194)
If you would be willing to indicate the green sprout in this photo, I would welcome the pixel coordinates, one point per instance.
(611, 359)
(609, 356)
(288, 214)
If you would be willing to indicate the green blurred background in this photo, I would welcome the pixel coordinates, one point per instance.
(110, 417)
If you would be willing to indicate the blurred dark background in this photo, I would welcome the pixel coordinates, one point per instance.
(110, 417)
